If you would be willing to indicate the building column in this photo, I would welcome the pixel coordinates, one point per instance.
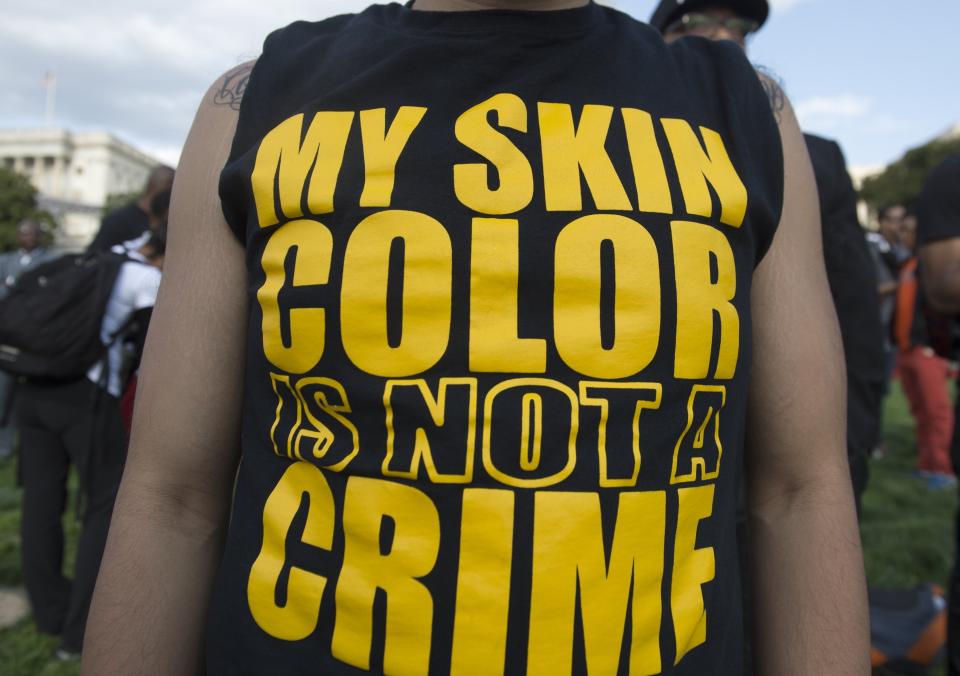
(59, 178)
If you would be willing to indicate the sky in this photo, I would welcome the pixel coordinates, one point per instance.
(864, 72)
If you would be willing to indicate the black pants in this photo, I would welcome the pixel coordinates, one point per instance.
(63, 424)
(859, 475)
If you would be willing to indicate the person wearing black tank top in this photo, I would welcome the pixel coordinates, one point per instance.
(474, 312)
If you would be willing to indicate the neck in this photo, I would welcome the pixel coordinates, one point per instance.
(473, 5)
(144, 202)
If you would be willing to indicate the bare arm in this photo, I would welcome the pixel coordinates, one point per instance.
(168, 525)
(940, 269)
(809, 587)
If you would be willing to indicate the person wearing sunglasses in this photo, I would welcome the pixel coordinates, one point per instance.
(734, 20)
(711, 22)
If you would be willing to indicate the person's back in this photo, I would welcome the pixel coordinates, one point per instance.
(497, 358)
(472, 364)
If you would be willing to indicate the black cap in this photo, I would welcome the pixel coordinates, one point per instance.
(669, 11)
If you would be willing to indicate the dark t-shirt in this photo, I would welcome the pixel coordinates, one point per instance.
(119, 226)
(499, 346)
(938, 213)
(853, 285)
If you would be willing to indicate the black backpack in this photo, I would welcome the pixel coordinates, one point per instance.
(908, 630)
(51, 320)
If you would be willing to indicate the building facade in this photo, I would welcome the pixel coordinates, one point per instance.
(74, 175)
(860, 173)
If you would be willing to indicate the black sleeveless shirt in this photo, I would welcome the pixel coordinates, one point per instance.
(499, 346)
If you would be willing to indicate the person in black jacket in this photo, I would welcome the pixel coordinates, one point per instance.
(849, 266)
(131, 221)
(853, 287)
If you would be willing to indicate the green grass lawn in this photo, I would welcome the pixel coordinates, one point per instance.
(906, 535)
(907, 530)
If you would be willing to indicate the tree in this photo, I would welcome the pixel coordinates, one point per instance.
(18, 200)
(902, 182)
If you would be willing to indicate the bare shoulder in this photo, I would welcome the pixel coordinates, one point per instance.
(208, 144)
(216, 118)
(797, 244)
(796, 160)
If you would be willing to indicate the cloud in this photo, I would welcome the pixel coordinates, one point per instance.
(849, 116)
(136, 73)
(830, 111)
(168, 154)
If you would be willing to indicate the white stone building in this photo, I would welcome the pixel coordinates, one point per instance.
(859, 173)
(74, 174)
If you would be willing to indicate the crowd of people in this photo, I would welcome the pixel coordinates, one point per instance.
(81, 422)
(729, 227)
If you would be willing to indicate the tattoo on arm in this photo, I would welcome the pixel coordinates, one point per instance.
(232, 86)
(774, 91)
(775, 94)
